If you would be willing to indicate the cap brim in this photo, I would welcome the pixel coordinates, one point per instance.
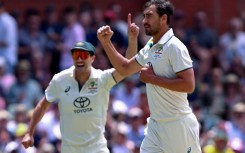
(80, 48)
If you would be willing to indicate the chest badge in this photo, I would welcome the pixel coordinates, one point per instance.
(93, 86)
(158, 53)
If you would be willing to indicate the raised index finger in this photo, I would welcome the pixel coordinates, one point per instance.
(129, 19)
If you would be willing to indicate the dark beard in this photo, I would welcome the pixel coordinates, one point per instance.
(150, 32)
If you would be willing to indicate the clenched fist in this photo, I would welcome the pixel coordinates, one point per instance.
(27, 140)
(104, 34)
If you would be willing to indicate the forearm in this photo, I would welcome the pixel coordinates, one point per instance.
(175, 84)
(117, 60)
(132, 48)
(37, 115)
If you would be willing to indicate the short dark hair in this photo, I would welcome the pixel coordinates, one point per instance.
(162, 7)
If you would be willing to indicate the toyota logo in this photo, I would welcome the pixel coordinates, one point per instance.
(81, 102)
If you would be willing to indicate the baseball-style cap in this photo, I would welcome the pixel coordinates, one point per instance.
(84, 46)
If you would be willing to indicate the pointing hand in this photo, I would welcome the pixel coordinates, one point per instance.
(133, 29)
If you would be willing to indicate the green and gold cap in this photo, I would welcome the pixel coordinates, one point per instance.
(84, 46)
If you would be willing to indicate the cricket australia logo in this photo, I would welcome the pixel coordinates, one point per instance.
(79, 43)
(93, 86)
(158, 52)
(82, 103)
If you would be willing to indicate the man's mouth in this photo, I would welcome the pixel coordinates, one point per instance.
(80, 65)
(147, 26)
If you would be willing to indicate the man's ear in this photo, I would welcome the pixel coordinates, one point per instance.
(93, 57)
(164, 18)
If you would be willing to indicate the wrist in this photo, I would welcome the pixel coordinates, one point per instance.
(30, 132)
(105, 42)
(132, 38)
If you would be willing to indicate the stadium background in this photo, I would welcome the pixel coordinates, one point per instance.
(218, 11)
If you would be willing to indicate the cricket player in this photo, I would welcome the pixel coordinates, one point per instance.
(166, 67)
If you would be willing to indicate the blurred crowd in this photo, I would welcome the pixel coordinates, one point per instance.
(33, 47)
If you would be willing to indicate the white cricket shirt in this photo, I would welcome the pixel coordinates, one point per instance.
(167, 57)
(82, 113)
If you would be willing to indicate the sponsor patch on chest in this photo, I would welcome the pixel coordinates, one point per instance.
(82, 105)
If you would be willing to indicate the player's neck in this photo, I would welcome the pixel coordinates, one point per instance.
(81, 76)
(159, 35)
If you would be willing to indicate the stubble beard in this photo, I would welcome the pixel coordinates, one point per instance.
(150, 32)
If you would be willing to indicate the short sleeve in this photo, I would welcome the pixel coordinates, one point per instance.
(180, 58)
(140, 57)
(107, 78)
(51, 91)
